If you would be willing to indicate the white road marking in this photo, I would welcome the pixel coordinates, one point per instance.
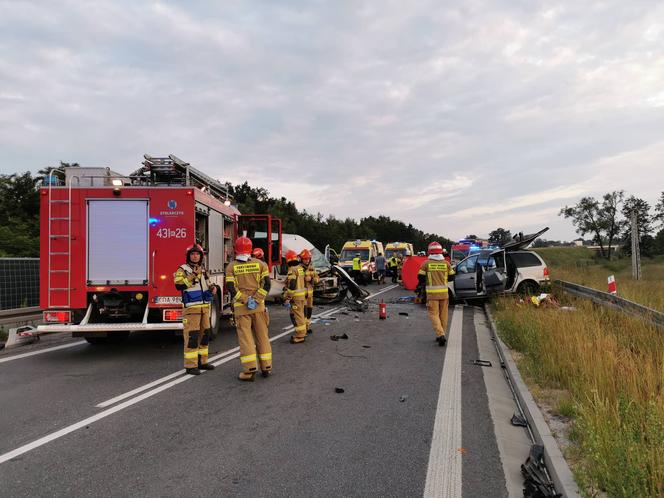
(41, 351)
(150, 385)
(110, 411)
(445, 458)
(393, 286)
(212, 359)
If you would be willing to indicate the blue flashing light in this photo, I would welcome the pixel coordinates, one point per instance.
(154, 221)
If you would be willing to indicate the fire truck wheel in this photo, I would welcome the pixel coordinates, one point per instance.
(215, 315)
(113, 338)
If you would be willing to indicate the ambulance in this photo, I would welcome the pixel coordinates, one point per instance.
(368, 250)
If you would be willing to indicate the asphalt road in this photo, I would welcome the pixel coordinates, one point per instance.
(288, 435)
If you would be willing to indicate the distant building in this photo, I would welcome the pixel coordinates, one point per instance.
(578, 242)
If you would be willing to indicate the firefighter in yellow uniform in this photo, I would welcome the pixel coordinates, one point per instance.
(296, 297)
(197, 295)
(433, 277)
(311, 278)
(248, 281)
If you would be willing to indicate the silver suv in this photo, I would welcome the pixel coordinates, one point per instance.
(510, 269)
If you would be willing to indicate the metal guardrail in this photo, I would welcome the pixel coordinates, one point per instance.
(556, 465)
(20, 315)
(612, 301)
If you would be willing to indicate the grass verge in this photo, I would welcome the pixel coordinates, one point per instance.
(612, 366)
(581, 266)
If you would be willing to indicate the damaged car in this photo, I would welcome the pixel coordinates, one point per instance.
(510, 269)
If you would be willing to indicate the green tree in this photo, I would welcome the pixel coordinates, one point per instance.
(658, 217)
(321, 231)
(19, 215)
(644, 221)
(600, 219)
(500, 236)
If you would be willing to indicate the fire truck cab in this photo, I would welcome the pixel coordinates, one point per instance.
(111, 243)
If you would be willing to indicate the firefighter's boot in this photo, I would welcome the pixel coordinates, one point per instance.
(441, 340)
(193, 371)
(247, 376)
(204, 366)
(296, 340)
(266, 373)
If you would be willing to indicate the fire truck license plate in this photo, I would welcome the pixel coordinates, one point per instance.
(168, 300)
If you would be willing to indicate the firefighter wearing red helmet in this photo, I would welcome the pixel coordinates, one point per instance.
(248, 281)
(433, 276)
(258, 254)
(296, 296)
(311, 278)
(197, 295)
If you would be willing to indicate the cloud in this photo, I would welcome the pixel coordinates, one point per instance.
(436, 191)
(454, 119)
(520, 202)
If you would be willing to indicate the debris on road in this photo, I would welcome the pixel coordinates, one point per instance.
(482, 363)
(518, 420)
(404, 299)
(537, 483)
(403, 313)
(338, 390)
(403, 398)
(337, 337)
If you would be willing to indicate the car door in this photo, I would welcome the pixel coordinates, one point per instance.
(465, 284)
(495, 277)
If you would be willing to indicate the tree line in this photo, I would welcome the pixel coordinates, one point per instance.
(19, 218)
(608, 221)
(321, 230)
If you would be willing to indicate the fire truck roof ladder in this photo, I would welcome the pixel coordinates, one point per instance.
(172, 170)
(59, 211)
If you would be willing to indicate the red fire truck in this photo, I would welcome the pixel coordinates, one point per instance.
(110, 244)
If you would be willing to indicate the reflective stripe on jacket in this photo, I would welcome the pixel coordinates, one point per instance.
(299, 292)
(310, 271)
(197, 292)
(436, 273)
(247, 277)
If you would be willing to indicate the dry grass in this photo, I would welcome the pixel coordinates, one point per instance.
(579, 265)
(612, 365)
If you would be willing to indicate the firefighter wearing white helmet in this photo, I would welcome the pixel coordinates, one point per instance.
(197, 295)
(433, 276)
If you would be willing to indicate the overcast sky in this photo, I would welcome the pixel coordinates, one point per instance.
(458, 117)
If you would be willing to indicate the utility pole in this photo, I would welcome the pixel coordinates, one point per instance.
(636, 251)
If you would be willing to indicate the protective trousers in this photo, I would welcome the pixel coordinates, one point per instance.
(437, 309)
(299, 319)
(255, 347)
(309, 308)
(196, 334)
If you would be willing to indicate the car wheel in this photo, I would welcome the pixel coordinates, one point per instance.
(527, 288)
